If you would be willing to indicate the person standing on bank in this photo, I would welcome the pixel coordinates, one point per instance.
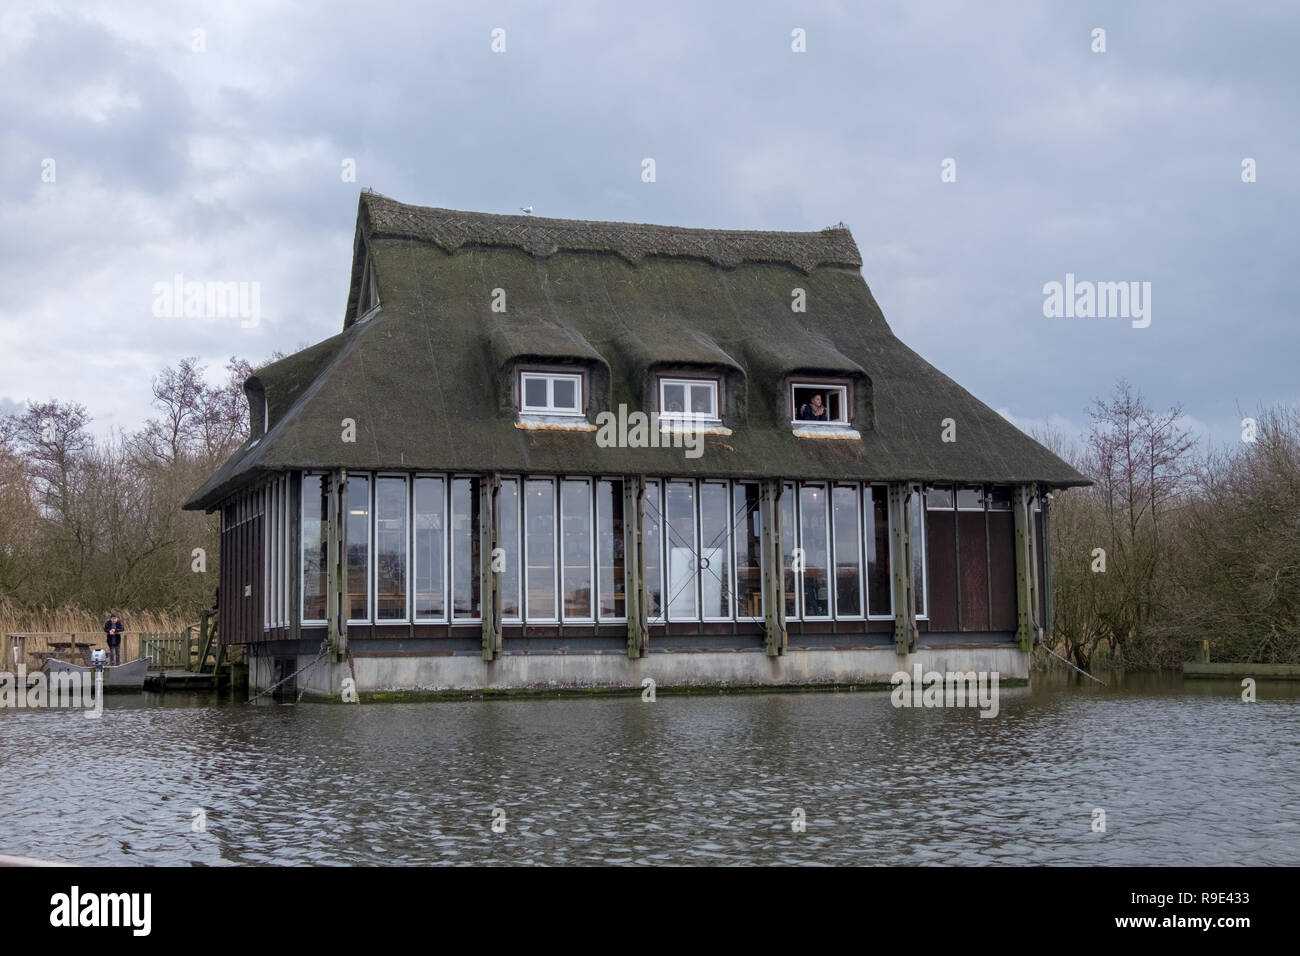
(113, 628)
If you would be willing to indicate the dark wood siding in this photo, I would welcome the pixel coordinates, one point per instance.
(241, 615)
(941, 553)
(1002, 570)
(974, 564)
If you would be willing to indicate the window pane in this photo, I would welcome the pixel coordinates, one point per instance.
(916, 518)
(789, 541)
(879, 589)
(702, 400)
(654, 552)
(674, 399)
(358, 547)
(939, 497)
(390, 549)
(848, 562)
(508, 541)
(315, 516)
(430, 548)
(715, 551)
(566, 393)
(609, 549)
(539, 545)
(747, 525)
(465, 564)
(970, 497)
(535, 392)
(813, 539)
(575, 519)
(682, 571)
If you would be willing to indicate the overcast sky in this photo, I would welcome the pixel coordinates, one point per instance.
(225, 164)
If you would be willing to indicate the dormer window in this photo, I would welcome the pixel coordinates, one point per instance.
(688, 399)
(368, 297)
(812, 402)
(551, 393)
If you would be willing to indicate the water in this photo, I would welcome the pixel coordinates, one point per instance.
(1185, 772)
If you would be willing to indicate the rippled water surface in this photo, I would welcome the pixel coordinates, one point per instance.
(1185, 772)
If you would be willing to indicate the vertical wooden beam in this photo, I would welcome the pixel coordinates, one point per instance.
(336, 537)
(1048, 623)
(774, 623)
(1026, 568)
(900, 561)
(489, 504)
(634, 587)
(294, 557)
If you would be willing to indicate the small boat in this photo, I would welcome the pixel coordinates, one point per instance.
(128, 676)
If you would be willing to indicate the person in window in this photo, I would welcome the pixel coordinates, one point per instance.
(814, 411)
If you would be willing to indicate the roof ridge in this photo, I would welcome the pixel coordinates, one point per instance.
(541, 236)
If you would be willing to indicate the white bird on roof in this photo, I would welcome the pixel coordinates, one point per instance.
(527, 210)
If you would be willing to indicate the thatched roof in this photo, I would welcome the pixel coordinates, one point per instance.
(426, 377)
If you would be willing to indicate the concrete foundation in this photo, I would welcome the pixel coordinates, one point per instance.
(467, 672)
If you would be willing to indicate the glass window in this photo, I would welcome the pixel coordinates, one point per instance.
(679, 520)
(430, 549)
(848, 559)
(508, 541)
(715, 550)
(551, 393)
(575, 519)
(465, 558)
(814, 540)
(970, 497)
(916, 518)
(747, 522)
(819, 403)
(999, 498)
(652, 535)
(694, 398)
(390, 548)
(611, 583)
(315, 518)
(938, 497)
(880, 593)
(789, 541)
(358, 532)
(539, 546)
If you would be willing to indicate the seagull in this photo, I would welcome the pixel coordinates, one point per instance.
(526, 210)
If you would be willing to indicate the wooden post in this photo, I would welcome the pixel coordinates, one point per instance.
(634, 564)
(489, 489)
(774, 622)
(900, 561)
(203, 640)
(336, 538)
(294, 556)
(1026, 568)
(1048, 624)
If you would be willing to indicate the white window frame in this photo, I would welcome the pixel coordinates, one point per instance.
(889, 537)
(830, 598)
(519, 547)
(550, 378)
(451, 551)
(556, 574)
(729, 548)
(592, 604)
(445, 549)
(735, 560)
(919, 490)
(370, 548)
(302, 547)
(688, 384)
(845, 421)
(856, 488)
(655, 486)
(410, 551)
(598, 589)
(956, 496)
(696, 616)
